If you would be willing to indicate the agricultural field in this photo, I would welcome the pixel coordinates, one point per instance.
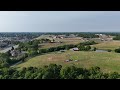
(108, 45)
(107, 61)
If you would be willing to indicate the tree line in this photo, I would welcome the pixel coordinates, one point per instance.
(33, 47)
(54, 71)
(116, 37)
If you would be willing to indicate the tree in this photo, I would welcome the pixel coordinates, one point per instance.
(70, 72)
(43, 50)
(12, 48)
(5, 64)
(87, 48)
(8, 53)
(94, 49)
(94, 70)
(81, 47)
(52, 72)
(53, 40)
(116, 37)
(114, 75)
(51, 49)
(117, 50)
(32, 52)
(109, 50)
(28, 75)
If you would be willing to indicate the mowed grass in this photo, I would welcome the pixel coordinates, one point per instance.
(107, 61)
(108, 45)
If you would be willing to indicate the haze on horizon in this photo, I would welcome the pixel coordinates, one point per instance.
(59, 21)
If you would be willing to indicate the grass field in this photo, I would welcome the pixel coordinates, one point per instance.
(65, 41)
(108, 45)
(107, 61)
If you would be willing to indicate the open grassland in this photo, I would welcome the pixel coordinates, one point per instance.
(108, 45)
(107, 61)
(64, 41)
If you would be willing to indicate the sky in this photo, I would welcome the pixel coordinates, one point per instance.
(59, 21)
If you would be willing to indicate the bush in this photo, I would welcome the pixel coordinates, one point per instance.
(94, 49)
(114, 75)
(117, 50)
(109, 50)
(88, 43)
(52, 72)
(70, 72)
(87, 48)
(43, 51)
(32, 52)
(117, 37)
(81, 47)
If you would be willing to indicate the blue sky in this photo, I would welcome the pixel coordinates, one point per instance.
(59, 21)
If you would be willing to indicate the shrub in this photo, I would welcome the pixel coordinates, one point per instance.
(117, 50)
(109, 50)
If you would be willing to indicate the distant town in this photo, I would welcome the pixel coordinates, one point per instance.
(7, 41)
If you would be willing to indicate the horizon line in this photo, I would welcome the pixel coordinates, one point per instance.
(63, 32)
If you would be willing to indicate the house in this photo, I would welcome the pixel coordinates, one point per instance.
(104, 37)
(2, 44)
(15, 53)
(59, 36)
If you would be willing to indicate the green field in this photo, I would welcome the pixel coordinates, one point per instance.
(108, 45)
(65, 41)
(107, 61)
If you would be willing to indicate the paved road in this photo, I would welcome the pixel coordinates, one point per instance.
(7, 49)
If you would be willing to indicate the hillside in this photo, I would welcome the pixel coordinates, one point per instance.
(107, 61)
(108, 45)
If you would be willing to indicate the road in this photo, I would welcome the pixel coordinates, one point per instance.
(7, 49)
